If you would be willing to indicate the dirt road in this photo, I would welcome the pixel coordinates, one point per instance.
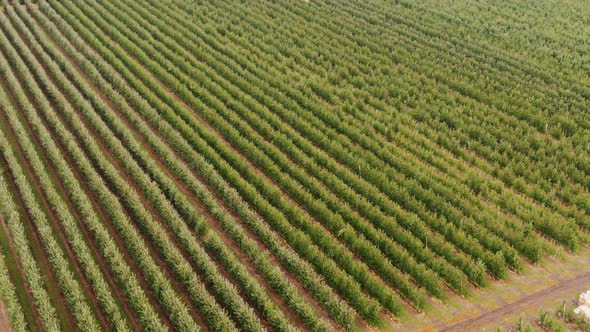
(537, 287)
(579, 283)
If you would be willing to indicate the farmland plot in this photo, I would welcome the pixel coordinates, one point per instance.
(283, 165)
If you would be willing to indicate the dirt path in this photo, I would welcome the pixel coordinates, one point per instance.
(543, 286)
(4, 320)
(577, 284)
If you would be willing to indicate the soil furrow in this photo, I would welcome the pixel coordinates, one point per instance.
(41, 257)
(13, 252)
(104, 216)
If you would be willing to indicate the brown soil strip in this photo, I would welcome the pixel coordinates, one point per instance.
(188, 194)
(162, 166)
(17, 263)
(117, 292)
(146, 202)
(224, 237)
(58, 229)
(86, 233)
(285, 194)
(54, 219)
(4, 320)
(153, 212)
(114, 161)
(308, 297)
(310, 300)
(553, 271)
(40, 255)
(266, 178)
(104, 216)
(580, 282)
(272, 183)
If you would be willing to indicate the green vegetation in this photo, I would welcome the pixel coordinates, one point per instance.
(283, 165)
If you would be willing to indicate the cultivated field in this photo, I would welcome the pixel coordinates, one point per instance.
(283, 165)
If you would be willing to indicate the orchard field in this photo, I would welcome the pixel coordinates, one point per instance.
(284, 165)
